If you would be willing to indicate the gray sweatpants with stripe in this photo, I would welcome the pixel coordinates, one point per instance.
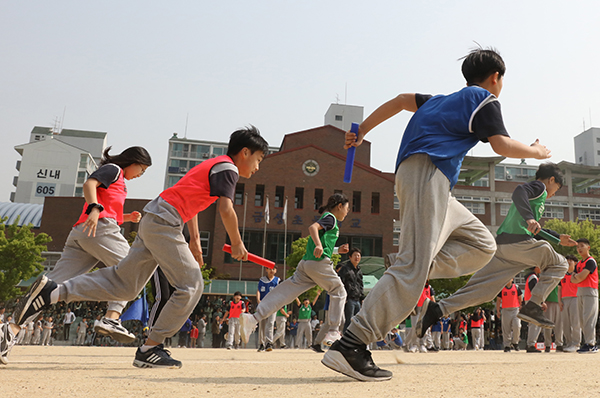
(160, 240)
(82, 253)
(511, 326)
(510, 259)
(308, 275)
(440, 238)
(587, 302)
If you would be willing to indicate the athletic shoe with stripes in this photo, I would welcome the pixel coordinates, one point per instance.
(36, 300)
(156, 357)
(7, 341)
(114, 329)
(356, 363)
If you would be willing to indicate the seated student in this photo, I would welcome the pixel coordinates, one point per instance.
(586, 278)
(462, 341)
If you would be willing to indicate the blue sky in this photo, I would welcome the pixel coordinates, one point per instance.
(136, 69)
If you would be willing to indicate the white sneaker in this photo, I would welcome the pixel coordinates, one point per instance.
(413, 349)
(7, 341)
(331, 337)
(247, 325)
(423, 349)
(570, 348)
(114, 329)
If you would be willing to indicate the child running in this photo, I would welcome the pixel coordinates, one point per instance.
(440, 237)
(314, 269)
(517, 250)
(160, 241)
(96, 236)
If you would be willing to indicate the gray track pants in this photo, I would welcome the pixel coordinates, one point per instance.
(509, 260)
(82, 253)
(265, 330)
(308, 274)
(158, 242)
(587, 302)
(511, 326)
(570, 323)
(280, 322)
(552, 313)
(304, 329)
(440, 239)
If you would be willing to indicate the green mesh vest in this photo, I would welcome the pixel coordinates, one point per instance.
(515, 224)
(328, 240)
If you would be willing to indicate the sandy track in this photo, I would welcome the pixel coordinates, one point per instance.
(108, 372)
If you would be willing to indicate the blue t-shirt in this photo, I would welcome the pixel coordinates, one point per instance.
(445, 324)
(446, 127)
(265, 285)
(437, 327)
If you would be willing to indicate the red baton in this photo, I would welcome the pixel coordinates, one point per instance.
(253, 258)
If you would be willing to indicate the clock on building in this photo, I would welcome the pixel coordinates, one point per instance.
(310, 167)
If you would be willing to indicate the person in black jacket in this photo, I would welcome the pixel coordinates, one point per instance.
(352, 277)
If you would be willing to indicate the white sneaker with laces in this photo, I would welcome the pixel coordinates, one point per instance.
(114, 329)
(247, 325)
(7, 341)
(331, 337)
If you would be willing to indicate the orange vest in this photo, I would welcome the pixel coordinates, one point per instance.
(592, 278)
(510, 297)
(568, 289)
(426, 293)
(112, 199)
(527, 291)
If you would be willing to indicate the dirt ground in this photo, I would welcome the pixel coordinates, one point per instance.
(108, 372)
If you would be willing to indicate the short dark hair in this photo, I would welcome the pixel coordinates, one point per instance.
(549, 169)
(354, 250)
(237, 294)
(334, 200)
(248, 137)
(132, 155)
(571, 257)
(583, 240)
(481, 63)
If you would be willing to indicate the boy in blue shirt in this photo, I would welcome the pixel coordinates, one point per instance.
(265, 326)
(440, 237)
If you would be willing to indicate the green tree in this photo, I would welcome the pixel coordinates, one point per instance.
(20, 256)
(298, 251)
(577, 230)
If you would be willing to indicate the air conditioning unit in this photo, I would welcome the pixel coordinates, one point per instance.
(205, 155)
(509, 177)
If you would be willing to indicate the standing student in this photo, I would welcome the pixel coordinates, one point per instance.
(586, 278)
(517, 249)
(81, 332)
(201, 331)
(421, 343)
(304, 316)
(352, 278)
(194, 336)
(436, 333)
(552, 312)
(508, 302)
(280, 324)
(160, 241)
(236, 308)
(293, 332)
(570, 329)
(477, 322)
(37, 332)
(47, 333)
(265, 327)
(314, 269)
(446, 333)
(533, 330)
(67, 322)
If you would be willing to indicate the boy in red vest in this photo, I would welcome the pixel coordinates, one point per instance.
(160, 241)
(569, 325)
(586, 278)
(236, 307)
(508, 303)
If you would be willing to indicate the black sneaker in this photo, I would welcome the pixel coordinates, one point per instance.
(587, 349)
(36, 300)
(261, 348)
(114, 329)
(559, 348)
(156, 357)
(547, 349)
(283, 346)
(269, 347)
(533, 313)
(429, 315)
(515, 347)
(532, 348)
(316, 348)
(506, 349)
(356, 363)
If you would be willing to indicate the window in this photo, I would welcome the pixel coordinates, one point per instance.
(356, 201)
(580, 159)
(37, 138)
(259, 196)
(597, 140)
(396, 239)
(239, 194)
(318, 202)
(375, 203)
(369, 246)
(219, 151)
(299, 198)
(338, 118)
(81, 177)
(173, 180)
(598, 152)
(279, 192)
(475, 207)
(396, 203)
(504, 207)
(554, 212)
(79, 191)
(204, 240)
(592, 215)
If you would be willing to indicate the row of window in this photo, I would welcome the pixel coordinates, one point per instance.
(318, 198)
(549, 212)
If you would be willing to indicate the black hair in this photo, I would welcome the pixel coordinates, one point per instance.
(132, 155)
(248, 137)
(333, 201)
(583, 240)
(571, 257)
(237, 294)
(480, 64)
(549, 169)
(354, 250)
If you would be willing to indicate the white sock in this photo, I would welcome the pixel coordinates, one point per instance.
(54, 295)
(145, 347)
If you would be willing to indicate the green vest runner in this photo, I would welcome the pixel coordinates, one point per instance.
(515, 224)
(553, 296)
(328, 240)
(304, 312)
(279, 311)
